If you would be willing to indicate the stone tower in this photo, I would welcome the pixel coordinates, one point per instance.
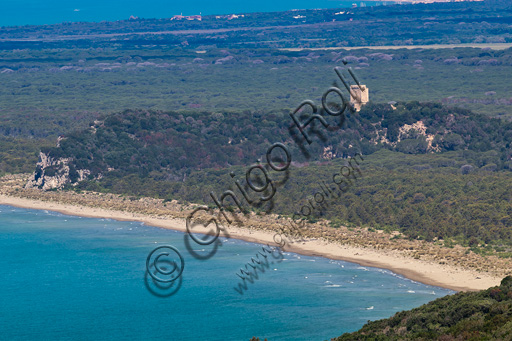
(359, 98)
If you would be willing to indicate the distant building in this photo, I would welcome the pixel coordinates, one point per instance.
(235, 16)
(184, 17)
(359, 98)
(230, 16)
(194, 17)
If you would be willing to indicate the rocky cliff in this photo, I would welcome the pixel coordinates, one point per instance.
(169, 145)
(52, 173)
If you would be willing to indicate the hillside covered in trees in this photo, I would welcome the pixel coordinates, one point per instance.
(430, 172)
(172, 144)
(59, 78)
(484, 315)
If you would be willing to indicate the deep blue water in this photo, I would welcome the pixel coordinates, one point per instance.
(39, 12)
(72, 278)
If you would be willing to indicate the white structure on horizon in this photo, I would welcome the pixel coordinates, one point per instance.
(359, 96)
(187, 17)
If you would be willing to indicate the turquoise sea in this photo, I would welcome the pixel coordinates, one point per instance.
(38, 12)
(71, 278)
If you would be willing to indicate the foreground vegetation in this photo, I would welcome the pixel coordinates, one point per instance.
(484, 315)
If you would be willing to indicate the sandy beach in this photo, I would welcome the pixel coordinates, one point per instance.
(424, 271)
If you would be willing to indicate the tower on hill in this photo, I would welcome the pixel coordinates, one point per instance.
(359, 98)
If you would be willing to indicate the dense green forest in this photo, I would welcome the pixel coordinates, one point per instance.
(44, 96)
(53, 86)
(51, 92)
(18, 155)
(141, 142)
(59, 78)
(424, 196)
(449, 180)
(207, 109)
(177, 109)
(483, 315)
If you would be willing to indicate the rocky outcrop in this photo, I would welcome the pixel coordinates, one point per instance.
(54, 173)
(407, 131)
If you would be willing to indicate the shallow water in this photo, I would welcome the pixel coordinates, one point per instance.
(67, 277)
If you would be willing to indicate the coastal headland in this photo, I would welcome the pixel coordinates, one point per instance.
(429, 263)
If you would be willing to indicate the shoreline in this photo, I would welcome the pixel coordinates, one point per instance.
(423, 271)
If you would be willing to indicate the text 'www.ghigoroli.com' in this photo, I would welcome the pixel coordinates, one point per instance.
(165, 264)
